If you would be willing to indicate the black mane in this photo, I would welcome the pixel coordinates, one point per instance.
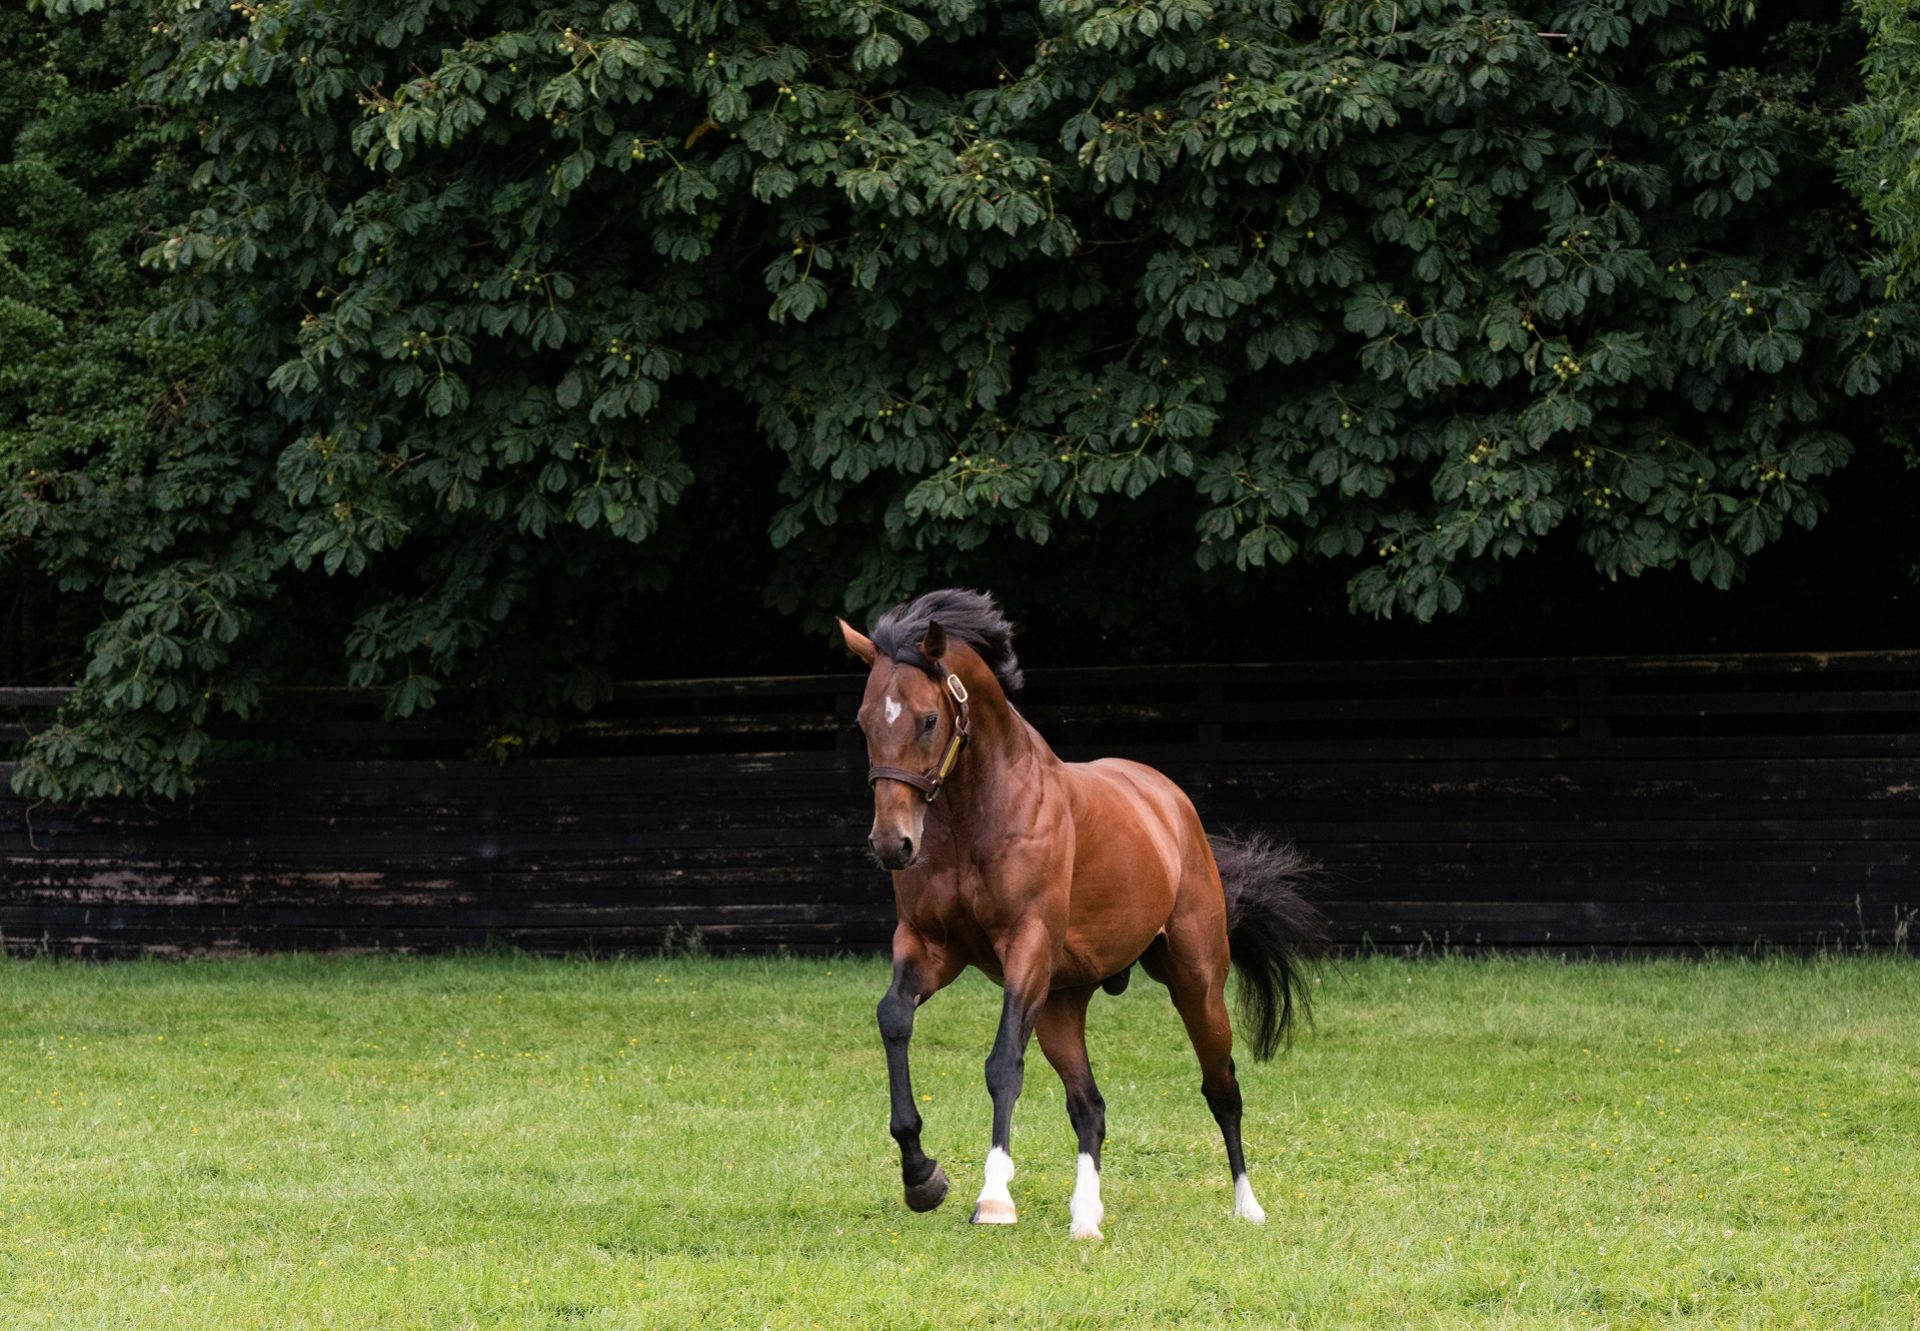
(970, 616)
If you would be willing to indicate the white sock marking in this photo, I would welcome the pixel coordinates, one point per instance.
(995, 1177)
(1244, 1206)
(1086, 1208)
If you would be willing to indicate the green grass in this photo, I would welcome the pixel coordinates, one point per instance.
(498, 1142)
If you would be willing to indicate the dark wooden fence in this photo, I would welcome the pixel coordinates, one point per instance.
(1611, 804)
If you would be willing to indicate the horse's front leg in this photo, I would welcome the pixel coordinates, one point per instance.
(918, 974)
(1027, 970)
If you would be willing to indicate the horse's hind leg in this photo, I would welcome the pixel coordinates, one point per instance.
(1196, 976)
(1062, 1028)
(918, 972)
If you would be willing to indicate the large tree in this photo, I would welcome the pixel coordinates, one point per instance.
(1882, 162)
(508, 294)
(91, 493)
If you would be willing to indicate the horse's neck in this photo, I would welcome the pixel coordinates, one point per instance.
(1012, 738)
(1003, 759)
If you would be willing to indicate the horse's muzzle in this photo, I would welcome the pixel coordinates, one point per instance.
(893, 852)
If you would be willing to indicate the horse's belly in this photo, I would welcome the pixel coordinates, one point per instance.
(1111, 920)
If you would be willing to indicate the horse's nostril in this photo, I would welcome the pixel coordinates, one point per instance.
(906, 849)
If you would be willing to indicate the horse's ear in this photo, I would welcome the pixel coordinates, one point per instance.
(857, 642)
(933, 644)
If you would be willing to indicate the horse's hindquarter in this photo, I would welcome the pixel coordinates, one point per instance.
(1135, 835)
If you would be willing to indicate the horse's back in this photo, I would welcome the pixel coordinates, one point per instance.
(1120, 789)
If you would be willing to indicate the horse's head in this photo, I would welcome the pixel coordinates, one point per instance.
(915, 725)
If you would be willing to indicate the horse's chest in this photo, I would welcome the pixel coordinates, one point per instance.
(955, 903)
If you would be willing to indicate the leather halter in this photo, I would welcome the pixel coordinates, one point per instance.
(928, 782)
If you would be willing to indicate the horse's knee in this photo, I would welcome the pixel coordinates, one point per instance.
(1005, 1069)
(895, 1015)
(1002, 1064)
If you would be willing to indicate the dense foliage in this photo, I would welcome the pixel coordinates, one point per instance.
(1882, 162)
(507, 295)
(90, 397)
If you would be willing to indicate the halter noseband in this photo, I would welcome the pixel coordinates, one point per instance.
(928, 782)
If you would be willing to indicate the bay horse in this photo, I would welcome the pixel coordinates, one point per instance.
(1053, 878)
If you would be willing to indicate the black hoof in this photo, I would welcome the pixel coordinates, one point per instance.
(929, 1192)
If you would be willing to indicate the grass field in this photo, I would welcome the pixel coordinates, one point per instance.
(499, 1142)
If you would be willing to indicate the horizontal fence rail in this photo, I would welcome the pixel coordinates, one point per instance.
(1608, 804)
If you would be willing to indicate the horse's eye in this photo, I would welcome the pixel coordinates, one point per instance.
(928, 722)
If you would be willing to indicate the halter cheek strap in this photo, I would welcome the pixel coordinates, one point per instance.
(928, 782)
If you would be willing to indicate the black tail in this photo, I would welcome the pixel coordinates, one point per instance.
(1271, 929)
